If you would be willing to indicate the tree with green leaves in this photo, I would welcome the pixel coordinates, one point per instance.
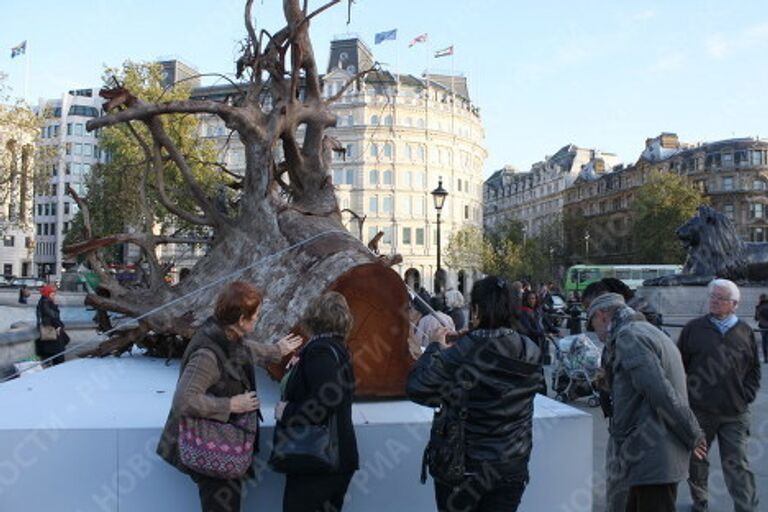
(661, 205)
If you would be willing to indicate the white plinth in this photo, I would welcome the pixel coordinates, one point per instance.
(81, 437)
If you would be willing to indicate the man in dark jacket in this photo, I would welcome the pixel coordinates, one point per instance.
(720, 356)
(761, 316)
(652, 430)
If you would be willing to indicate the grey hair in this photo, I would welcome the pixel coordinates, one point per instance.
(733, 290)
(605, 302)
(454, 299)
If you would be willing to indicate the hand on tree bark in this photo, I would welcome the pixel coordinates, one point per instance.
(288, 344)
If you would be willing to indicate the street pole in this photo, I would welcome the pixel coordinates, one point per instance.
(438, 242)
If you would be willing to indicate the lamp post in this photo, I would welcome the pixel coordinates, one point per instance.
(438, 196)
(586, 246)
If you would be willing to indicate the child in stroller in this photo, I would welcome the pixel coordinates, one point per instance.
(577, 360)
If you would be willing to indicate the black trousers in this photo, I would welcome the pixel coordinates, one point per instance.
(652, 498)
(480, 494)
(315, 493)
(219, 495)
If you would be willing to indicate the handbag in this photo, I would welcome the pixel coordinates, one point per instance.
(218, 449)
(445, 453)
(303, 448)
(48, 333)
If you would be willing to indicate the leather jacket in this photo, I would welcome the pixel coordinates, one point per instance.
(501, 372)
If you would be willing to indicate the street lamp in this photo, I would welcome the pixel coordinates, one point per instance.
(586, 246)
(438, 196)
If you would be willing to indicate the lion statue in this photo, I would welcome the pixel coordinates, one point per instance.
(715, 250)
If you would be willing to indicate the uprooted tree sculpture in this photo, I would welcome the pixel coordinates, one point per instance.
(286, 197)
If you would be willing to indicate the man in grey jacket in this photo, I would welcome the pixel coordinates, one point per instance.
(652, 430)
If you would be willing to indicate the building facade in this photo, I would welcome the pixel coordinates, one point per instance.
(67, 154)
(401, 135)
(732, 174)
(17, 153)
(536, 198)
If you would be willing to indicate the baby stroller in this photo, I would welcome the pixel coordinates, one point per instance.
(577, 360)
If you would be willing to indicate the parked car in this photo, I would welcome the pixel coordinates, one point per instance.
(4, 282)
(29, 282)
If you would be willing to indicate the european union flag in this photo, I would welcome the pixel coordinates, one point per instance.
(383, 36)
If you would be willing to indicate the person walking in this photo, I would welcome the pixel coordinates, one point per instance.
(652, 430)
(217, 381)
(53, 339)
(720, 355)
(484, 384)
(761, 315)
(23, 294)
(321, 386)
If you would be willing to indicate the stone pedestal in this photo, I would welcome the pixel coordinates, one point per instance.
(82, 437)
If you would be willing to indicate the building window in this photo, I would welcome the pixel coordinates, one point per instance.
(47, 209)
(756, 211)
(350, 151)
(39, 229)
(386, 204)
(53, 208)
(758, 185)
(372, 232)
(373, 177)
(757, 235)
(713, 160)
(458, 183)
(374, 150)
(387, 177)
(419, 236)
(373, 204)
(350, 176)
(729, 211)
(740, 158)
(68, 148)
(66, 208)
(79, 129)
(757, 158)
(727, 183)
(388, 121)
(87, 150)
(39, 210)
(388, 150)
(466, 211)
(406, 236)
(727, 160)
(408, 179)
(45, 228)
(387, 238)
(9, 241)
(338, 176)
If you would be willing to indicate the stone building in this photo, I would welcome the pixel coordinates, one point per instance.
(536, 197)
(401, 135)
(732, 173)
(17, 154)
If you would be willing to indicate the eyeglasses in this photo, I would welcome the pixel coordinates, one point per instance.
(716, 298)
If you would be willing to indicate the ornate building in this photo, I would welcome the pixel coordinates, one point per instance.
(401, 135)
(17, 151)
(536, 197)
(732, 173)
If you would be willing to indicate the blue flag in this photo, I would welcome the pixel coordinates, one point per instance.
(383, 36)
(19, 50)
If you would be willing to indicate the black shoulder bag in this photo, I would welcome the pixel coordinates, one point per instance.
(445, 454)
(303, 448)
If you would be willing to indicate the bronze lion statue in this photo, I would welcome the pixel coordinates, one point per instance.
(715, 250)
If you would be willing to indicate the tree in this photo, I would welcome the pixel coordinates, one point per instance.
(283, 232)
(661, 205)
(467, 249)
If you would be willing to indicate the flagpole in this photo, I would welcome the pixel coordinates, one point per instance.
(26, 72)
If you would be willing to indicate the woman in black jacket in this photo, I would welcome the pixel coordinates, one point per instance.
(48, 315)
(322, 384)
(500, 372)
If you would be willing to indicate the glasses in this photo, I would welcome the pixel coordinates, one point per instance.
(716, 298)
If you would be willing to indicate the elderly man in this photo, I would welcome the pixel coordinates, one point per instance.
(720, 356)
(652, 430)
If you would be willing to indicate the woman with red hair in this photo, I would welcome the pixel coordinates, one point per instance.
(53, 340)
(217, 380)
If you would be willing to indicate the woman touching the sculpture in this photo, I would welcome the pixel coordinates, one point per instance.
(216, 399)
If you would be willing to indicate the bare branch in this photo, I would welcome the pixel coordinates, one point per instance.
(376, 67)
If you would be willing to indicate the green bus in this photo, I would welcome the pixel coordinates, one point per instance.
(579, 277)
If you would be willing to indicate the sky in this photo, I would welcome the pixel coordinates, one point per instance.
(598, 74)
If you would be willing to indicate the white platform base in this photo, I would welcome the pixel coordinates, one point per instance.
(81, 437)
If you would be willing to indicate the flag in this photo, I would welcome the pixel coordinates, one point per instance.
(418, 39)
(19, 50)
(384, 36)
(444, 52)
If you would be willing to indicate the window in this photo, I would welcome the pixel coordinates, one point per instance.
(741, 158)
(53, 208)
(729, 211)
(79, 129)
(39, 229)
(757, 235)
(373, 204)
(407, 236)
(727, 183)
(419, 236)
(45, 228)
(387, 238)
(372, 232)
(409, 152)
(387, 177)
(386, 204)
(47, 208)
(756, 211)
(408, 182)
(757, 157)
(350, 151)
(66, 208)
(374, 120)
(374, 150)
(758, 185)
(9, 241)
(67, 168)
(373, 177)
(87, 150)
(420, 153)
(68, 148)
(78, 149)
(419, 206)
(388, 120)
(388, 150)
(712, 160)
(459, 185)
(727, 159)
(350, 175)
(466, 211)
(338, 176)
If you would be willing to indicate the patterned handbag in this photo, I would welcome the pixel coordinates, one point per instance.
(217, 449)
